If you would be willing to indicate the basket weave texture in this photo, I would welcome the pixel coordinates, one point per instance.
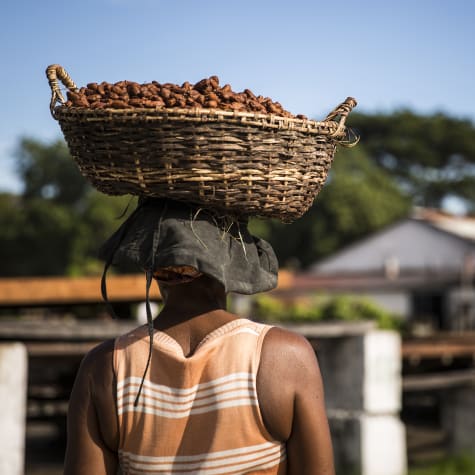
(240, 163)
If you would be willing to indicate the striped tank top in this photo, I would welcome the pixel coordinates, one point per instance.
(197, 414)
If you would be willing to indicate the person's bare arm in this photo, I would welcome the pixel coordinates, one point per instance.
(290, 391)
(92, 421)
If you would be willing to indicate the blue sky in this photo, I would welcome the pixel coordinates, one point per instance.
(307, 54)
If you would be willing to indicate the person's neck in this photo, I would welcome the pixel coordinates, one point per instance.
(183, 302)
(192, 311)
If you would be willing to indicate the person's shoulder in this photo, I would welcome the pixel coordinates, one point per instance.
(288, 355)
(97, 363)
(99, 354)
(281, 341)
(137, 335)
(99, 360)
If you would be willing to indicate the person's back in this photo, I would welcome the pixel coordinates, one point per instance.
(195, 412)
(222, 395)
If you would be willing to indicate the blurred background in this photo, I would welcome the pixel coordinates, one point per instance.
(385, 258)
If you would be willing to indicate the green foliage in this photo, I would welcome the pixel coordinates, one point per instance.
(359, 198)
(57, 225)
(319, 309)
(348, 308)
(431, 156)
(48, 172)
(35, 237)
(98, 219)
(268, 308)
(461, 464)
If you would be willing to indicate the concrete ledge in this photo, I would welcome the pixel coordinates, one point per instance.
(368, 444)
(16, 329)
(63, 330)
(329, 329)
(362, 372)
(431, 381)
(13, 392)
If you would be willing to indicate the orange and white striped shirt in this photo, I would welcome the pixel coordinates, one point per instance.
(197, 414)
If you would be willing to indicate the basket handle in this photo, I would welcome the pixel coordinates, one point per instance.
(53, 73)
(342, 110)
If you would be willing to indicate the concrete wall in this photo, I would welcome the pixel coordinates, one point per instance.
(363, 372)
(362, 378)
(13, 392)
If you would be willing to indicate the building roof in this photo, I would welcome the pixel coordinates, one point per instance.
(303, 283)
(461, 226)
(427, 241)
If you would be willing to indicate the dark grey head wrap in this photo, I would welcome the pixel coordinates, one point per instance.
(164, 233)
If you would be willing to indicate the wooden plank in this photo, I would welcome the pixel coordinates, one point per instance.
(43, 291)
(66, 290)
(431, 350)
(431, 381)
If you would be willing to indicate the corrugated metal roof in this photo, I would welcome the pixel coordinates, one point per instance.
(461, 226)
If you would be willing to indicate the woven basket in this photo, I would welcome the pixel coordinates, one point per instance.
(243, 164)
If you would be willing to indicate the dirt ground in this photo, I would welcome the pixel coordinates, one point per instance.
(44, 451)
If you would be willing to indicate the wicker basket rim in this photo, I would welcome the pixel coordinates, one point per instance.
(326, 127)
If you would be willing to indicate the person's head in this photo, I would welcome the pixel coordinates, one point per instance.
(200, 289)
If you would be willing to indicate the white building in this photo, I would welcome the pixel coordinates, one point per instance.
(421, 268)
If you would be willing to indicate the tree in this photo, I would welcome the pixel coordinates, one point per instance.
(56, 226)
(99, 218)
(358, 198)
(48, 172)
(36, 237)
(431, 157)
